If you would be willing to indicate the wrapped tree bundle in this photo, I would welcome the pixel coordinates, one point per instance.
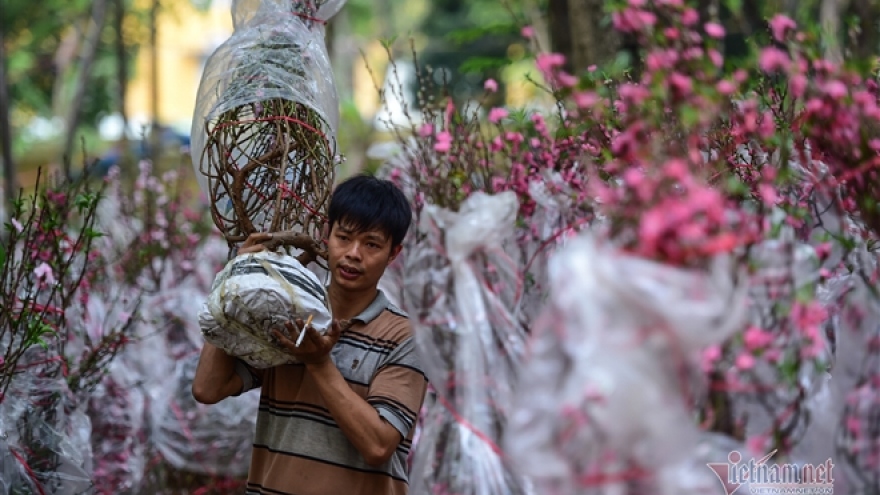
(264, 128)
(46, 437)
(603, 404)
(255, 294)
(116, 410)
(193, 437)
(462, 291)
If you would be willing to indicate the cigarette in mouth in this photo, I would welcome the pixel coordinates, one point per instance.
(302, 333)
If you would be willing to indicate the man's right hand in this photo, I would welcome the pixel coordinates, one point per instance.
(254, 243)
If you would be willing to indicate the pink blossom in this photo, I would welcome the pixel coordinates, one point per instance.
(490, 85)
(426, 130)
(780, 25)
(725, 87)
(690, 17)
(709, 357)
(633, 19)
(444, 142)
(592, 68)
(566, 80)
(797, 84)
(835, 89)
(768, 194)
(745, 361)
(755, 338)
(714, 30)
(773, 59)
(660, 59)
(546, 62)
(757, 444)
(716, 57)
(585, 99)
(44, 272)
(528, 32)
(681, 83)
(497, 114)
(17, 225)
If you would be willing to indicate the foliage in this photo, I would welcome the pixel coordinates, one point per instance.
(772, 164)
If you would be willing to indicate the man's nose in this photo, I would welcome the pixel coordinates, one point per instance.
(354, 251)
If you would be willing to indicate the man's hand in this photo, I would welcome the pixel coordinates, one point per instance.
(254, 243)
(314, 348)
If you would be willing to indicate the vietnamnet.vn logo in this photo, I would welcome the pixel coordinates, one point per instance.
(764, 478)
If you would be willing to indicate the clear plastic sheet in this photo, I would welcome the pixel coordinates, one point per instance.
(601, 402)
(47, 438)
(193, 437)
(116, 409)
(461, 292)
(273, 53)
(255, 294)
(243, 11)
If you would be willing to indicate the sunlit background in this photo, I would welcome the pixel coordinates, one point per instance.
(149, 57)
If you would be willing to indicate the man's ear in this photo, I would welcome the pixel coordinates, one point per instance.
(394, 252)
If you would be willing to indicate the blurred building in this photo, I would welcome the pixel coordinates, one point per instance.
(186, 37)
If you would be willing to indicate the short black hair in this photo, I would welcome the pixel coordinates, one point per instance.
(365, 202)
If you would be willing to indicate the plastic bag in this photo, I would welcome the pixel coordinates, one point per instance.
(461, 292)
(193, 437)
(601, 402)
(255, 294)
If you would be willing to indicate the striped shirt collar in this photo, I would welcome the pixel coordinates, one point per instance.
(379, 304)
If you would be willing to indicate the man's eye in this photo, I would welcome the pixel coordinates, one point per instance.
(373, 245)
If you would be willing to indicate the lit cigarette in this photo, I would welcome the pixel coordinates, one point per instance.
(302, 333)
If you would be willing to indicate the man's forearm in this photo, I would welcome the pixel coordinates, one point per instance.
(215, 377)
(371, 435)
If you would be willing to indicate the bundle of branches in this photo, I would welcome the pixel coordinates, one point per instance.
(265, 124)
(462, 290)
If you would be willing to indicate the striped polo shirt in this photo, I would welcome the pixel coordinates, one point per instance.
(298, 447)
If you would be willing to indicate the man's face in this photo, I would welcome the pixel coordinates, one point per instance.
(358, 259)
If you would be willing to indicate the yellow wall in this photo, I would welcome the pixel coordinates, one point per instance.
(186, 37)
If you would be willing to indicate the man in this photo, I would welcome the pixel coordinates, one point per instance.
(340, 423)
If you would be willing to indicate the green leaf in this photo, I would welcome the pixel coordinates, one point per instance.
(2, 257)
(482, 64)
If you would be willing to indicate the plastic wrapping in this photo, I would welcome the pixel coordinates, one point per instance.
(116, 409)
(264, 128)
(461, 291)
(47, 438)
(602, 402)
(193, 437)
(318, 11)
(255, 294)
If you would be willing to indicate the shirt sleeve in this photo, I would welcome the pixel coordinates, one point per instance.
(250, 377)
(398, 388)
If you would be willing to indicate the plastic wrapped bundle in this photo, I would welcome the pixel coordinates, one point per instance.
(47, 439)
(602, 403)
(193, 437)
(264, 128)
(116, 409)
(314, 12)
(461, 290)
(255, 294)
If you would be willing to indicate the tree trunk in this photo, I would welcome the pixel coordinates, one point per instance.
(577, 30)
(87, 59)
(155, 138)
(11, 180)
(121, 70)
(866, 40)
